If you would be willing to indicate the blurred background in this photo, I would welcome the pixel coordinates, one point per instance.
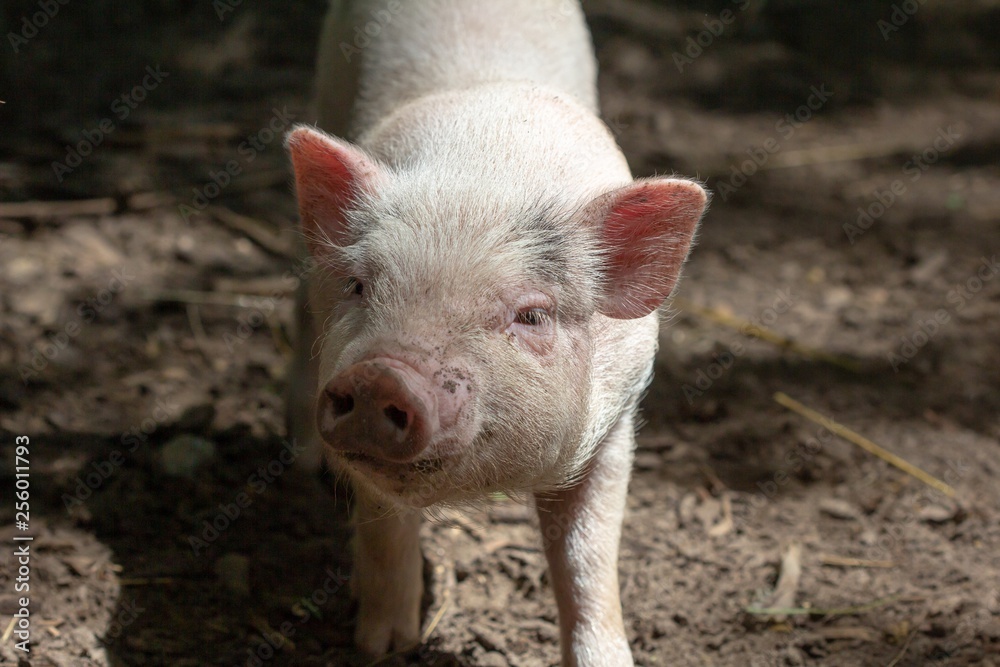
(849, 260)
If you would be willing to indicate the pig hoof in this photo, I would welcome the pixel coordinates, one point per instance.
(395, 630)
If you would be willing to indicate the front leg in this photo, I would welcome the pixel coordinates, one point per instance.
(581, 528)
(388, 575)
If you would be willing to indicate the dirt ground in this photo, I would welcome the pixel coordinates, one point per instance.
(849, 260)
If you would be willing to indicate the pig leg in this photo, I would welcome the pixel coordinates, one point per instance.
(388, 575)
(581, 527)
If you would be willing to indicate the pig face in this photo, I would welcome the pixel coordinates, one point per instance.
(459, 327)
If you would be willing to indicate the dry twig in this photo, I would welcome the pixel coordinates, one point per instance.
(844, 561)
(864, 443)
(257, 231)
(902, 651)
(69, 208)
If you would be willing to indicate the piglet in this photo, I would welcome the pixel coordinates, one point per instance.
(482, 317)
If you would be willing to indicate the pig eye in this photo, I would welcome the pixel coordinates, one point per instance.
(354, 286)
(532, 317)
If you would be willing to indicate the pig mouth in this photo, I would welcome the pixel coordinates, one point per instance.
(389, 468)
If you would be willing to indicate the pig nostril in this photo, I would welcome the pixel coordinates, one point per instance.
(342, 404)
(397, 417)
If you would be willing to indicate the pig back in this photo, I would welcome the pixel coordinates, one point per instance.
(383, 53)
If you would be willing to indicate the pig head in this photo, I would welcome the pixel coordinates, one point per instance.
(487, 303)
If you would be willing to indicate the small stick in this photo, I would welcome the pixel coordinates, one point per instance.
(815, 611)
(718, 486)
(864, 443)
(437, 619)
(142, 201)
(844, 561)
(139, 201)
(902, 651)
(58, 209)
(206, 298)
(255, 230)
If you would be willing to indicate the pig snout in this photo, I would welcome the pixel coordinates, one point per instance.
(380, 408)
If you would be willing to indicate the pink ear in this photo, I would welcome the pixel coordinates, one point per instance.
(329, 175)
(647, 231)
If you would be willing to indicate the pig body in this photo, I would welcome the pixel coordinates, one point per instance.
(484, 309)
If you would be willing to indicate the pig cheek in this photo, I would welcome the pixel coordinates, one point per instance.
(569, 393)
(535, 423)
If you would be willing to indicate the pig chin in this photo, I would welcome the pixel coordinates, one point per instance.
(426, 480)
(417, 485)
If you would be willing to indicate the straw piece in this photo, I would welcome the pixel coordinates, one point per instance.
(864, 443)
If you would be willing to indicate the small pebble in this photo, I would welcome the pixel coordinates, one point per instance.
(936, 514)
(839, 509)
